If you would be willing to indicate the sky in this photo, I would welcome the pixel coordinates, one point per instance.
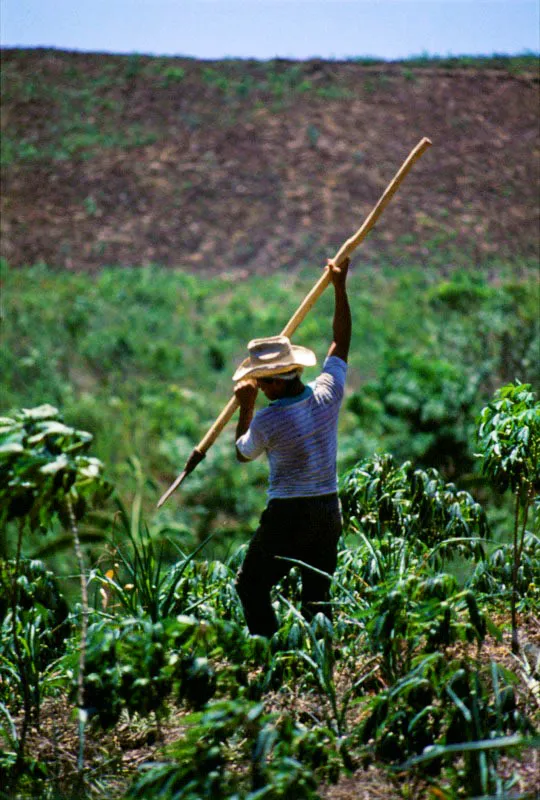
(264, 29)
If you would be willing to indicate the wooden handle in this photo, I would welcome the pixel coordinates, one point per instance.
(307, 304)
(348, 247)
(218, 425)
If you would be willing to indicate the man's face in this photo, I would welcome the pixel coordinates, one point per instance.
(272, 388)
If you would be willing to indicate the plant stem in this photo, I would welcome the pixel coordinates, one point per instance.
(17, 646)
(528, 502)
(515, 567)
(84, 633)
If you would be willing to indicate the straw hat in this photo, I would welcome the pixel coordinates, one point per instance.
(273, 355)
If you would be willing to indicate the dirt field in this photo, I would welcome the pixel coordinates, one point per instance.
(260, 166)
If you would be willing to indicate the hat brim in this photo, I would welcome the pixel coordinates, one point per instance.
(301, 357)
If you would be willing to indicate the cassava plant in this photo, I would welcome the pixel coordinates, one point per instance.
(509, 439)
(45, 476)
(441, 708)
(281, 755)
(379, 496)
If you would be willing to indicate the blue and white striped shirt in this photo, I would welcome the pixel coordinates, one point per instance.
(299, 436)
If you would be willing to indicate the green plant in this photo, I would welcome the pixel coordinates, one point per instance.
(380, 496)
(172, 75)
(44, 473)
(407, 524)
(136, 665)
(150, 586)
(439, 706)
(419, 613)
(124, 669)
(31, 641)
(44, 469)
(90, 205)
(425, 409)
(279, 753)
(495, 576)
(509, 440)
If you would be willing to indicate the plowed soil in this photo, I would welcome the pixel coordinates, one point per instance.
(256, 166)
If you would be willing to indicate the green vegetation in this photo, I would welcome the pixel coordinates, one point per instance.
(398, 680)
(434, 560)
(142, 358)
(82, 117)
(120, 628)
(515, 65)
(510, 442)
(86, 112)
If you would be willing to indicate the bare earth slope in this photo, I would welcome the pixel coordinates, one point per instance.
(259, 165)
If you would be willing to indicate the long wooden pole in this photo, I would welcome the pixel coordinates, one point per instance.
(307, 304)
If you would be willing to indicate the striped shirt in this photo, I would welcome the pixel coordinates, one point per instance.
(299, 436)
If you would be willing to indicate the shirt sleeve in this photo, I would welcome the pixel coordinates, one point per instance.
(330, 384)
(252, 444)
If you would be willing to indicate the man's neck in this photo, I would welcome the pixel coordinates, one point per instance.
(293, 388)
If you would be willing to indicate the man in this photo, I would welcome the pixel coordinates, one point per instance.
(298, 433)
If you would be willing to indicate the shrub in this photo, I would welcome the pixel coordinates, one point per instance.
(509, 439)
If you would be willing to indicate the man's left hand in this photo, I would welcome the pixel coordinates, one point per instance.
(246, 393)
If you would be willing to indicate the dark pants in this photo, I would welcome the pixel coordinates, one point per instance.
(303, 528)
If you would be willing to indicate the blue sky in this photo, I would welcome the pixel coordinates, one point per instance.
(275, 28)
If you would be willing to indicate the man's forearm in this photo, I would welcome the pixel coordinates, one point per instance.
(242, 426)
(244, 420)
(342, 324)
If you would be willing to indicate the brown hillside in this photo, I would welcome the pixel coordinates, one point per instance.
(259, 166)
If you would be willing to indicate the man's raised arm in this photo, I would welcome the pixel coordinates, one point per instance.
(342, 324)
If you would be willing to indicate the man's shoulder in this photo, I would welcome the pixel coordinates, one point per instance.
(335, 360)
(334, 365)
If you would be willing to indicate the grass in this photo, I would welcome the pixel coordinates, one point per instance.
(83, 114)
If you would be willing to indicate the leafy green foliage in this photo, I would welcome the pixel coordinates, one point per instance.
(423, 401)
(426, 409)
(42, 462)
(44, 475)
(34, 628)
(281, 755)
(403, 605)
(446, 703)
(416, 505)
(138, 665)
(40, 603)
(509, 438)
(409, 523)
(149, 585)
(112, 369)
(163, 638)
(494, 577)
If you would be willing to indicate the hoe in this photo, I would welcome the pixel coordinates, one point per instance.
(199, 452)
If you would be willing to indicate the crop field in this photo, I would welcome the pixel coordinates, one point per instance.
(133, 273)
(438, 565)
